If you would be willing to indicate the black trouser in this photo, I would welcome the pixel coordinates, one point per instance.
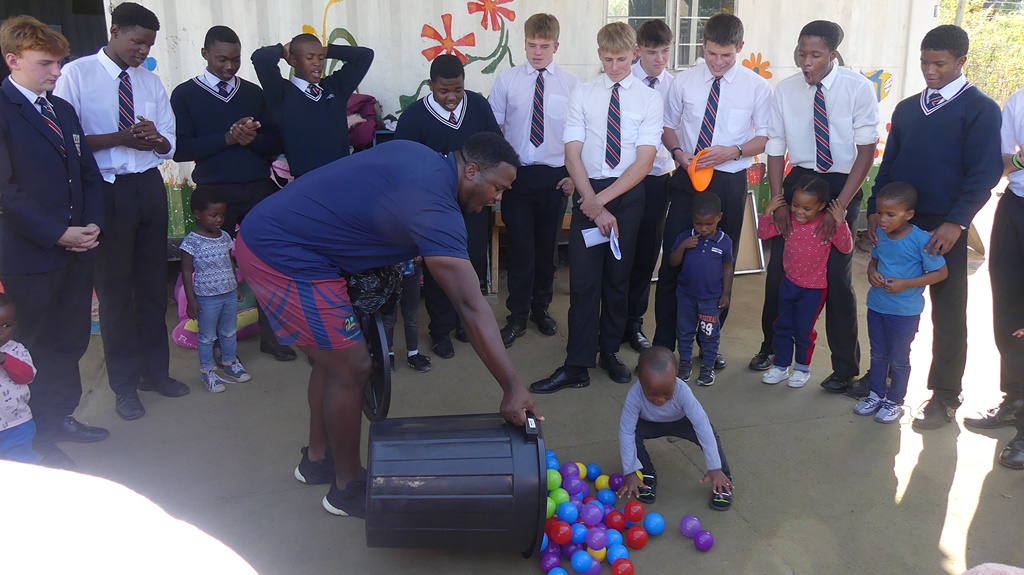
(131, 280)
(682, 429)
(648, 245)
(731, 189)
(409, 302)
(840, 300)
(532, 211)
(442, 314)
(240, 199)
(54, 312)
(1006, 270)
(597, 281)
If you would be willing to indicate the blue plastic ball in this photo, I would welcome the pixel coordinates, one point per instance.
(558, 571)
(654, 523)
(552, 464)
(550, 453)
(566, 511)
(615, 552)
(614, 537)
(581, 561)
(579, 533)
(606, 496)
(544, 542)
(593, 471)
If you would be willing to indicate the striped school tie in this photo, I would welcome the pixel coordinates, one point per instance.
(537, 119)
(823, 157)
(934, 100)
(707, 127)
(51, 120)
(651, 81)
(613, 142)
(314, 90)
(125, 102)
(222, 89)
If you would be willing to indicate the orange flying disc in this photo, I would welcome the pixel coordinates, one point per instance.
(701, 178)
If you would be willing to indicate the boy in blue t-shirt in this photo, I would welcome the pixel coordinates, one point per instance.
(705, 283)
(900, 268)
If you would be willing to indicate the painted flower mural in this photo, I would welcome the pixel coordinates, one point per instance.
(447, 44)
(759, 66)
(493, 12)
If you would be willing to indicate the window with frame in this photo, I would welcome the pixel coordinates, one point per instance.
(688, 16)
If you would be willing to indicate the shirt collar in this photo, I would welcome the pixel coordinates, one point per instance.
(830, 78)
(29, 94)
(300, 83)
(442, 112)
(531, 71)
(640, 74)
(113, 69)
(950, 89)
(626, 82)
(729, 75)
(212, 80)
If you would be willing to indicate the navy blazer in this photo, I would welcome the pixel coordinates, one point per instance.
(42, 193)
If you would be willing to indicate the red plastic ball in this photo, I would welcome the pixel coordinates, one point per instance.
(622, 567)
(561, 533)
(635, 511)
(588, 499)
(636, 537)
(615, 520)
(549, 523)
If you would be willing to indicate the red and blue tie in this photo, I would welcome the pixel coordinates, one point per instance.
(537, 118)
(823, 157)
(707, 127)
(51, 120)
(125, 102)
(934, 100)
(613, 145)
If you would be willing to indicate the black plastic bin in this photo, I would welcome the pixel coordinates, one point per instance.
(461, 481)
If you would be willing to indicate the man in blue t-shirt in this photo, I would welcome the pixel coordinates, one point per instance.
(380, 207)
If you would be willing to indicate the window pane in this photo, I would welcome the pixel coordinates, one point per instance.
(708, 8)
(649, 8)
(617, 8)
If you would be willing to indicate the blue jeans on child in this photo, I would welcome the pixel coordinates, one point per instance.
(218, 319)
(697, 317)
(16, 443)
(409, 304)
(794, 327)
(890, 337)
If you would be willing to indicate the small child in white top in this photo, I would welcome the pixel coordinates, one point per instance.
(208, 275)
(16, 371)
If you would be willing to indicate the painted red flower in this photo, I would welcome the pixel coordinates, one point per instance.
(492, 9)
(447, 44)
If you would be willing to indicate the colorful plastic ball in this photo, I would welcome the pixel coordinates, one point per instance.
(593, 471)
(703, 541)
(622, 567)
(616, 552)
(634, 511)
(596, 539)
(591, 514)
(561, 532)
(569, 469)
(559, 496)
(636, 537)
(689, 526)
(582, 468)
(606, 496)
(581, 561)
(588, 499)
(545, 541)
(552, 463)
(554, 479)
(614, 537)
(550, 453)
(550, 546)
(601, 482)
(576, 498)
(570, 549)
(597, 554)
(579, 533)
(549, 561)
(595, 567)
(615, 482)
(585, 491)
(654, 524)
(615, 520)
(558, 571)
(574, 485)
(567, 512)
(550, 508)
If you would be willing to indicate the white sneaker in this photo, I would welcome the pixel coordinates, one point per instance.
(889, 412)
(869, 405)
(212, 382)
(799, 378)
(775, 375)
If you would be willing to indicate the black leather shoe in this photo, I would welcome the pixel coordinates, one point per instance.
(73, 430)
(935, 414)
(545, 323)
(280, 352)
(461, 335)
(1001, 416)
(638, 341)
(761, 362)
(835, 384)
(617, 370)
(1012, 455)
(860, 388)
(168, 387)
(128, 406)
(52, 456)
(443, 348)
(560, 380)
(511, 332)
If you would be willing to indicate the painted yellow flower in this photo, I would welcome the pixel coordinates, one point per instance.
(757, 65)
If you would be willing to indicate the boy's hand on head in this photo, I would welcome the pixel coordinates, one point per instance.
(876, 279)
(718, 480)
(872, 230)
(566, 185)
(723, 302)
(193, 309)
(895, 285)
(943, 238)
(630, 486)
(287, 50)
(1019, 333)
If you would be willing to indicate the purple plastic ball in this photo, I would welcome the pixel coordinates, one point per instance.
(569, 549)
(596, 539)
(703, 541)
(591, 515)
(595, 568)
(579, 533)
(551, 547)
(573, 485)
(585, 491)
(549, 561)
(581, 561)
(614, 482)
(689, 526)
(569, 469)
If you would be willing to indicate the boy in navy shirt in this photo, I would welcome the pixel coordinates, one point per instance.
(705, 284)
(310, 109)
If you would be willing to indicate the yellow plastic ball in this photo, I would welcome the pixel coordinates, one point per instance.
(640, 475)
(598, 554)
(583, 470)
(601, 482)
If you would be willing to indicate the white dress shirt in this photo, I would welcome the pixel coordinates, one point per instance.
(640, 109)
(443, 114)
(30, 95)
(1012, 136)
(511, 101)
(744, 104)
(90, 84)
(663, 162)
(212, 81)
(852, 118)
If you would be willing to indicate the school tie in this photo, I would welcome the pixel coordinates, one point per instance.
(222, 89)
(934, 100)
(651, 81)
(452, 119)
(125, 103)
(51, 120)
(314, 90)
(707, 127)
(613, 144)
(537, 119)
(823, 158)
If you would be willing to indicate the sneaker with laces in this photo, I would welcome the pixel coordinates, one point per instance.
(684, 370)
(315, 472)
(869, 405)
(648, 487)
(212, 382)
(419, 362)
(348, 502)
(235, 373)
(889, 412)
(720, 501)
(707, 376)
(799, 378)
(775, 375)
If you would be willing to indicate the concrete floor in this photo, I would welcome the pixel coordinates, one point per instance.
(818, 489)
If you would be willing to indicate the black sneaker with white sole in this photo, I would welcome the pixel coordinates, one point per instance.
(720, 501)
(348, 502)
(649, 488)
(707, 376)
(315, 472)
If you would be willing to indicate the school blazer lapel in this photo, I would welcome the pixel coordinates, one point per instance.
(34, 118)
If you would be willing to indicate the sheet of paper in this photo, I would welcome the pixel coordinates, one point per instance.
(593, 237)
